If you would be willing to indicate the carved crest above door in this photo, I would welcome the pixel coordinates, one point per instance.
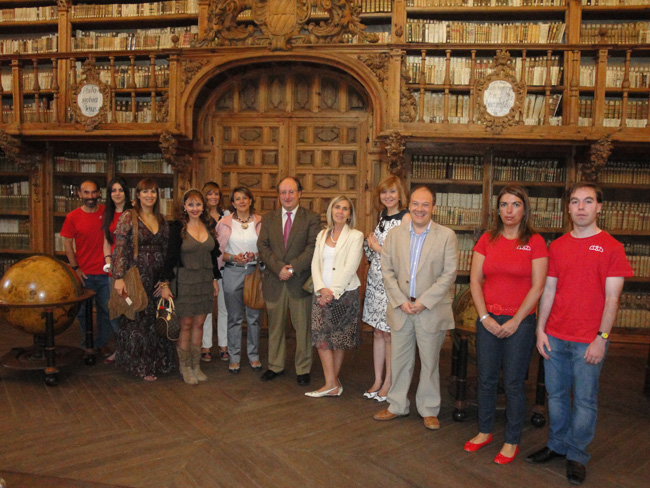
(282, 23)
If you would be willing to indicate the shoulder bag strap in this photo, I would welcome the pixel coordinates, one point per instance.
(134, 218)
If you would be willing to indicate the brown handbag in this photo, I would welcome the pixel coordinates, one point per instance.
(137, 300)
(253, 289)
(167, 323)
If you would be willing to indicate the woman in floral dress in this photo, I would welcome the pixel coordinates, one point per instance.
(391, 199)
(139, 350)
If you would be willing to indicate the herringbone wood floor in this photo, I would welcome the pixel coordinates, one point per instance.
(102, 428)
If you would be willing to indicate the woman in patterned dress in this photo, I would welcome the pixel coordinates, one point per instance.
(391, 199)
(192, 264)
(139, 350)
(336, 304)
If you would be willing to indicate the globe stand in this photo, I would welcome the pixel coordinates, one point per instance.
(44, 355)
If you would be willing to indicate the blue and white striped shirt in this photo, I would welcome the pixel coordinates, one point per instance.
(417, 241)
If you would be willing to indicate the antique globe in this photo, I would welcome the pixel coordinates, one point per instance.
(39, 279)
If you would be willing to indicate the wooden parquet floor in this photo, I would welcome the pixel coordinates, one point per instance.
(103, 428)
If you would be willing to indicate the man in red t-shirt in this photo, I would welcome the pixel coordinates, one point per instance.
(83, 226)
(587, 268)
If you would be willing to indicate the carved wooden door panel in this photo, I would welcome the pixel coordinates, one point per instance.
(311, 123)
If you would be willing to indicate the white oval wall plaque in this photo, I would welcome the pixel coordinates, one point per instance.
(499, 98)
(90, 100)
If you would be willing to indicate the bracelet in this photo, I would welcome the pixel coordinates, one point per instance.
(108, 256)
(164, 285)
(484, 317)
(231, 259)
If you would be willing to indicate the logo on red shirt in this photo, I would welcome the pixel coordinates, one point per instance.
(523, 248)
(596, 248)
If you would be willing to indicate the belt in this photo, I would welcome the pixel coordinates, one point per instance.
(235, 265)
(497, 309)
(412, 299)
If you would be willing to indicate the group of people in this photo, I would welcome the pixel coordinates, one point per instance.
(565, 296)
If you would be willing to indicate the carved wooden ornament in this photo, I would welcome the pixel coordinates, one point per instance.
(499, 96)
(90, 97)
(282, 23)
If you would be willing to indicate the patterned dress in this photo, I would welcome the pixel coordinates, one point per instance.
(376, 301)
(139, 350)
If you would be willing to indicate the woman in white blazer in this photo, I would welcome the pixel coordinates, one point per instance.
(336, 308)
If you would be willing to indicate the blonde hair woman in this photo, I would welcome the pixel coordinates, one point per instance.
(336, 304)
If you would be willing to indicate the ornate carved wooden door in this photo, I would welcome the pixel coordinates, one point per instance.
(303, 121)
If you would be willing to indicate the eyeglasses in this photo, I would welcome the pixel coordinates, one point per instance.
(288, 192)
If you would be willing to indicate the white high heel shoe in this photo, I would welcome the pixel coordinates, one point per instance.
(334, 392)
(370, 394)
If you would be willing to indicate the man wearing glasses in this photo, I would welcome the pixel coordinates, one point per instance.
(286, 245)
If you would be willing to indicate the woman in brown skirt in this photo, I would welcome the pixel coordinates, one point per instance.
(337, 306)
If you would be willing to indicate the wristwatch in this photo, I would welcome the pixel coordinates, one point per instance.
(604, 335)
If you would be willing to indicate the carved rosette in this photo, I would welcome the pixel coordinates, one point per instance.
(395, 145)
(378, 64)
(280, 24)
(189, 69)
(599, 153)
(503, 73)
(408, 107)
(25, 158)
(90, 78)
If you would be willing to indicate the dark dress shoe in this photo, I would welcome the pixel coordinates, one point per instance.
(544, 455)
(270, 375)
(303, 379)
(575, 472)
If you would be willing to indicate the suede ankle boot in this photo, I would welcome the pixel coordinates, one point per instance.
(195, 352)
(185, 366)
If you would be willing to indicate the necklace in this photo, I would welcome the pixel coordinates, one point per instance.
(332, 236)
(244, 223)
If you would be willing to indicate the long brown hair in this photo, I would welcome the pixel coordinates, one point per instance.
(526, 230)
(387, 184)
(148, 184)
(204, 217)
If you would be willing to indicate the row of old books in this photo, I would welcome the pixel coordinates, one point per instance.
(73, 162)
(633, 216)
(460, 69)
(6, 263)
(124, 113)
(434, 107)
(443, 31)
(13, 202)
(41, 111)
(447, 167)
(534, 170)
(28, 14)
(122, 75)
(638, 76)
(621, 3)
(149, 163)
(626, 172)
(535, 109)
(14, 226)
(485, 3)
(44, 80)
(465, 244)
(170, 7)
(640, 265)
(375, 6)
(621, 33)
(134, 40)
(45, 44)
(17, 188)
(11, 240)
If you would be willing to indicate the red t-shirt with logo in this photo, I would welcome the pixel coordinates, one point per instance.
(581, 267)
(86, 230)
(508, 269)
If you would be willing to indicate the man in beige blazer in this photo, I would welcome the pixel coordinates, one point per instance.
(288, 267)
(418, 264)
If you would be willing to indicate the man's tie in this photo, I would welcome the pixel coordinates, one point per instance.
(287, 229)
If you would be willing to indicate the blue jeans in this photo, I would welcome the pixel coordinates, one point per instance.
(512, 354)
(571, 430)
(99, 284)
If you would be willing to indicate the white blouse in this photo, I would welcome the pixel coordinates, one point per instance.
(242, 240)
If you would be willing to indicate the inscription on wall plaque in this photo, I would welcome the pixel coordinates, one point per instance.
(90, 100)
(499, 98)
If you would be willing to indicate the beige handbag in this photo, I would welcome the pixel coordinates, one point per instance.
(253, 289)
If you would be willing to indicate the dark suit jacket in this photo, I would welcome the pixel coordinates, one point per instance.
(300, 249)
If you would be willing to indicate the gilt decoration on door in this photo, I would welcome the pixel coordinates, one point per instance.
(280, 24)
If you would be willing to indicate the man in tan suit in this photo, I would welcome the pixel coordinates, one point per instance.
(286, 245)
(418, 264)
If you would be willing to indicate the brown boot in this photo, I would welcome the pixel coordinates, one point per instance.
(195, 352)
(185, 367)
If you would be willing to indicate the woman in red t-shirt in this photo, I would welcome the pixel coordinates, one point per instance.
(117, 202)
(507, 278)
